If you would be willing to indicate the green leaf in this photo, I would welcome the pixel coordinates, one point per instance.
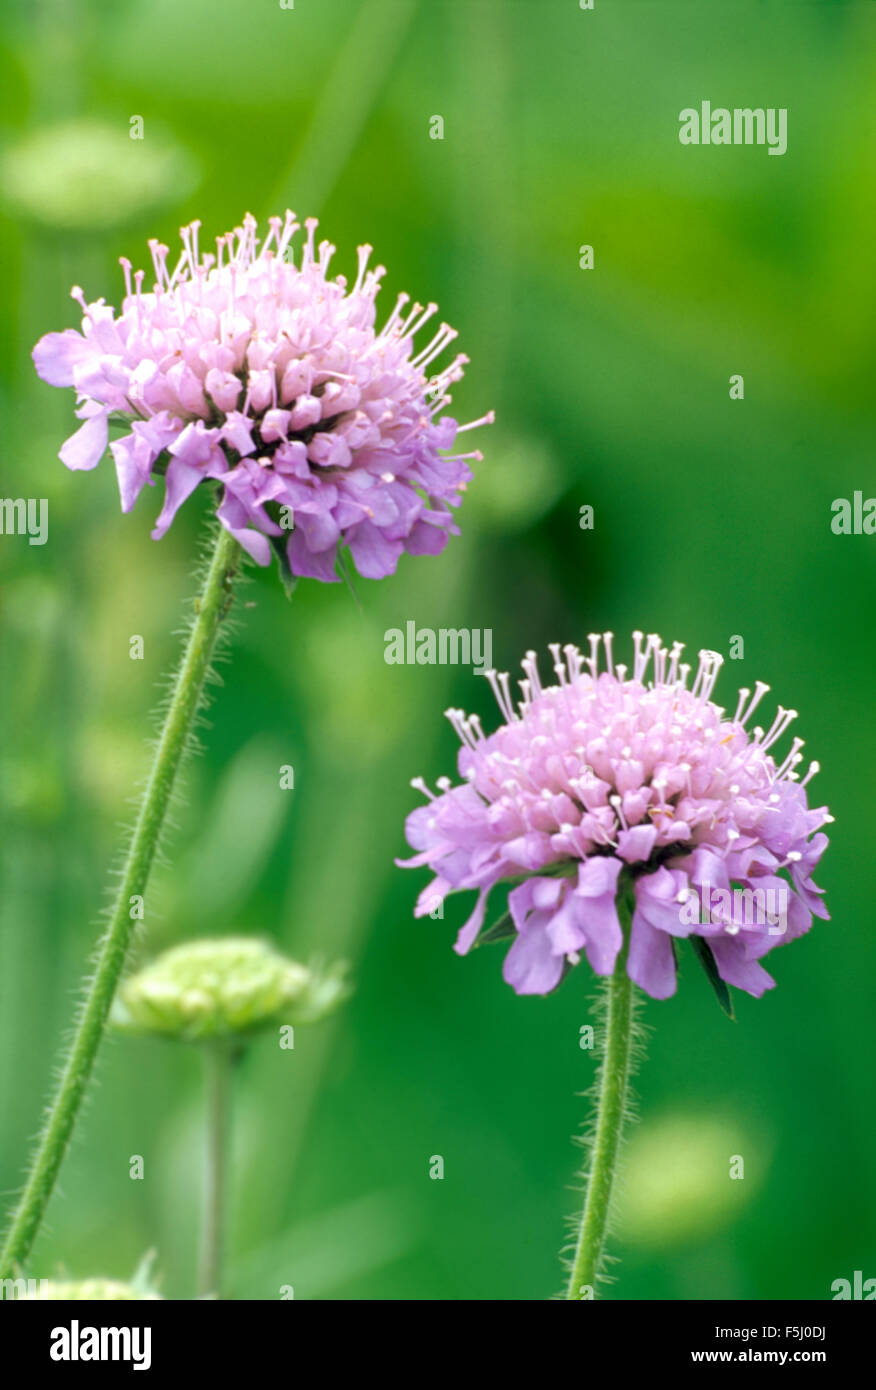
(500, 930)
(348, 578)
(287, 578)
(707, 961)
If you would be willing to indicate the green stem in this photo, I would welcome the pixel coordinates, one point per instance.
(217, 1070)
(612, 1090)
(185, 701)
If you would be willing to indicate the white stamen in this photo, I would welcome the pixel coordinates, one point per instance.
(793, 758)
(675, 653)
(457, 719)
(760, 689)
(783, 718)
(559, 668)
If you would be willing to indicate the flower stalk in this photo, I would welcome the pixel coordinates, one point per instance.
(612, 1088)
(185, 701)
(217, 1077)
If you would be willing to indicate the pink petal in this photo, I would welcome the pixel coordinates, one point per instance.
(651, 963)
(179, 483)
(530, 966)
(87, 446)
(56, 354)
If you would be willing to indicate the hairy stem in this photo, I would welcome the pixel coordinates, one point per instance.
(217, 1075)
(185, 701)
(612, 1102)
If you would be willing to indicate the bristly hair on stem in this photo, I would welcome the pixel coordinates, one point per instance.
(622, 1040)
(229, 625)
(182, 710)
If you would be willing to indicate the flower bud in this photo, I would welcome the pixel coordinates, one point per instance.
(225, 988)
(89, 1290)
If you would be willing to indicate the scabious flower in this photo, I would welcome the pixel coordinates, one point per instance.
(271, 379)
(609, 785)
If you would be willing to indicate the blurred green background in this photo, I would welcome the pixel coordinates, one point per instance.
(712, 519)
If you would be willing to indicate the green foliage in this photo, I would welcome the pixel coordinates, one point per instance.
(703, 953)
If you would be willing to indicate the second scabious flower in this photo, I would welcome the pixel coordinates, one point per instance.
(611, 786)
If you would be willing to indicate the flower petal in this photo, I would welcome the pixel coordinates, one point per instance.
(312, 564)
(57, 354)
(374, 555)
(87, 446)
(651, 963)
(180, 482)
(736, 969)
(133, 459)
(469, 930)
(530, 966)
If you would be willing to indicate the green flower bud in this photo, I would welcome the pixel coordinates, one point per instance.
(55, 1291)
(225, 988)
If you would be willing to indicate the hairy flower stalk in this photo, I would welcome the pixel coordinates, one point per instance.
(218, 1061)
(603, 1143)
(186, 697)
(268, 382)
(624, 811)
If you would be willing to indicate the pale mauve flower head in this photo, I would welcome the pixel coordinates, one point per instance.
(272, 379)
(615, 782)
